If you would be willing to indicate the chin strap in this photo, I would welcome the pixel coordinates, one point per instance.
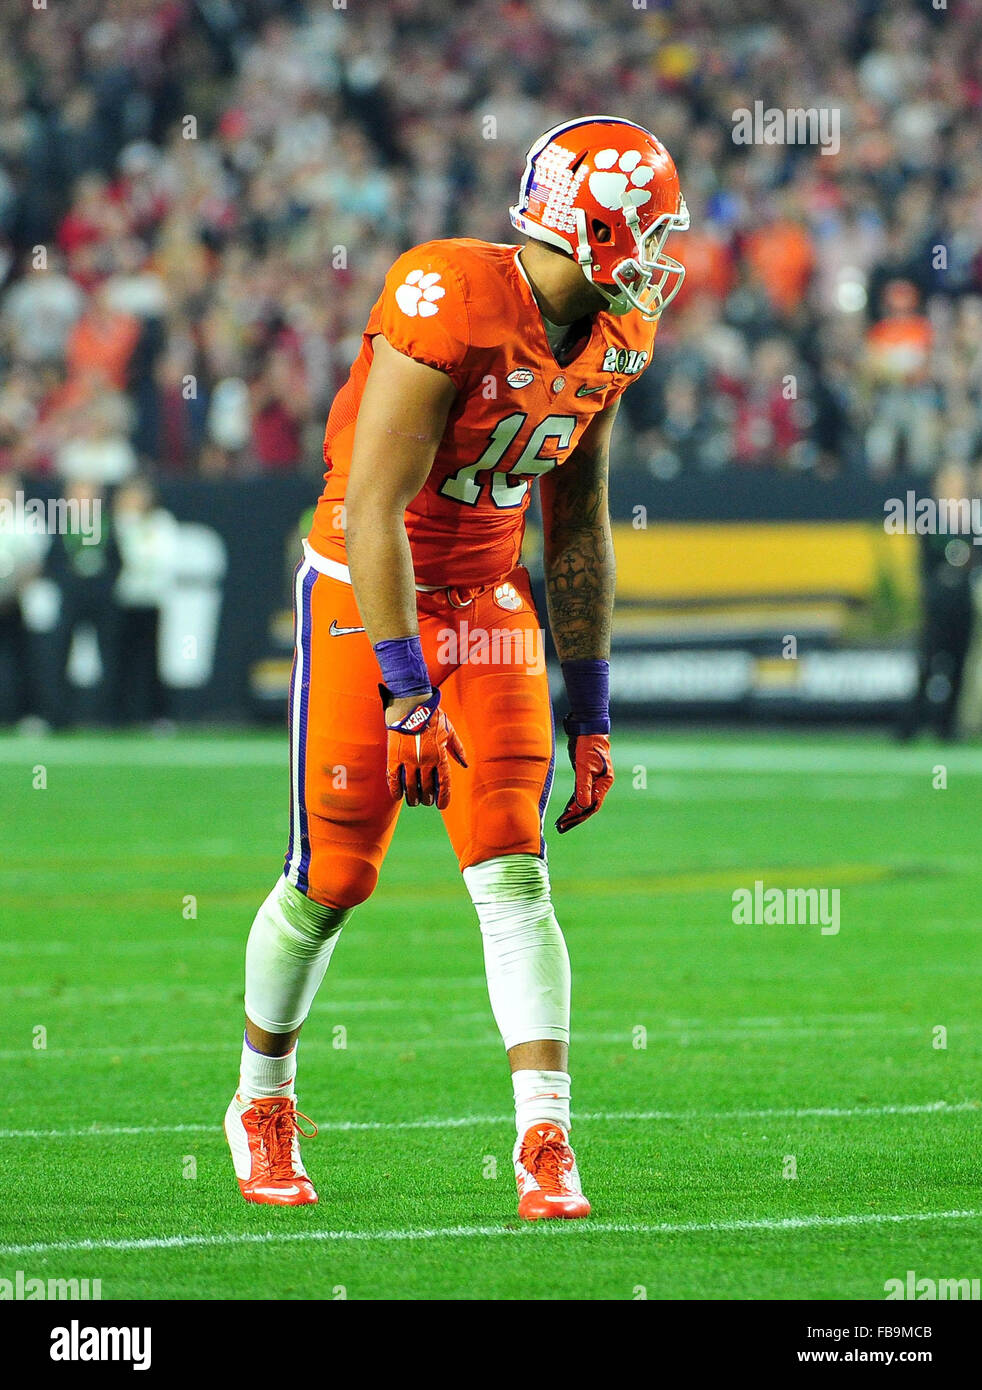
(584, 251)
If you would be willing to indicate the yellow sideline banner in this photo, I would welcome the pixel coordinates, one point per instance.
(693, 562)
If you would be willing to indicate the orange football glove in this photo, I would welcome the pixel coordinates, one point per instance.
(594, 768)
(420, 747)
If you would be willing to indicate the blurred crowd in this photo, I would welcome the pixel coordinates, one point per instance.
(199, 200)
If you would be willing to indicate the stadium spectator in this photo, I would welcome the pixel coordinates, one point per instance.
(40, 310)
(21, 557)
(905, 415)
(147, 537)
(83, 568)
(103, 341)
(98, 449)
(948, 565)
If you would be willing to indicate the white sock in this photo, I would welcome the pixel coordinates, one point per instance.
(541, 1095)
(525, 955)
(288, 951)
(260, 1075)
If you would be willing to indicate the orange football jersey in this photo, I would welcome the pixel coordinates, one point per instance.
(465, 307)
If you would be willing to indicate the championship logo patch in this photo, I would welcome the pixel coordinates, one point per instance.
(506, 596)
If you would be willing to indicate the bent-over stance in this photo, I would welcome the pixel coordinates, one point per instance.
(418, 674)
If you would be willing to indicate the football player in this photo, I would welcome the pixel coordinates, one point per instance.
(483, 368)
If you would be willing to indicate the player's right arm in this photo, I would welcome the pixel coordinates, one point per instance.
(401, 420)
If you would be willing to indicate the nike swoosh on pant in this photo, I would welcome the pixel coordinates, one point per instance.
(336, 631)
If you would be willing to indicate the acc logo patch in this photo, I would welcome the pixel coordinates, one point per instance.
(520, 377)
(506, 596)
(417, 295)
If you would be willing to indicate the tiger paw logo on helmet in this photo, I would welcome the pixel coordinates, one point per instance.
(609, 189)
(417, 295)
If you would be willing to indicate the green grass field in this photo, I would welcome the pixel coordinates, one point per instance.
(766, 1046)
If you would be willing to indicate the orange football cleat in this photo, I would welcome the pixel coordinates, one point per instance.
(262, 1135)
(545, 1170)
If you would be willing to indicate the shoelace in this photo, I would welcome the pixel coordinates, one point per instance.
(276, 1128)
(549, 1159)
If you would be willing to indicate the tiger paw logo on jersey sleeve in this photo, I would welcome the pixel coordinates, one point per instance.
(417, 296)
(609, 188)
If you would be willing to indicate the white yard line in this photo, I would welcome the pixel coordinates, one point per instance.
(683, 1037)
(585, 1229)
(937, 1107)
(388, 1046)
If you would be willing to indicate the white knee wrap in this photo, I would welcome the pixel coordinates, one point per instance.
(288, 951)
(524, 952)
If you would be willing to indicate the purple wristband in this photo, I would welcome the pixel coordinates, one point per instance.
(588, 688)
(403, 668)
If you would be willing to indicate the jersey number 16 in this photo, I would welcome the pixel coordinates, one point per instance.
(509, 487)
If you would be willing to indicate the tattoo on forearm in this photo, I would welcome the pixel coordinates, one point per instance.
(580, 563)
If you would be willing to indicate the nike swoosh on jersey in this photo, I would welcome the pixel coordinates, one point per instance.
(589, 390)
(336, 631)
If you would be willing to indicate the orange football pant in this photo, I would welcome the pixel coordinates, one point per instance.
(484, 649)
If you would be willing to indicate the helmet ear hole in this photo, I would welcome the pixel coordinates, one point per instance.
(600, 230)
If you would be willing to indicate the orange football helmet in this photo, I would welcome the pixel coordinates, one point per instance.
(607, 192)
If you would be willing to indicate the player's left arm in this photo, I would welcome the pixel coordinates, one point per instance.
(579, 571)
